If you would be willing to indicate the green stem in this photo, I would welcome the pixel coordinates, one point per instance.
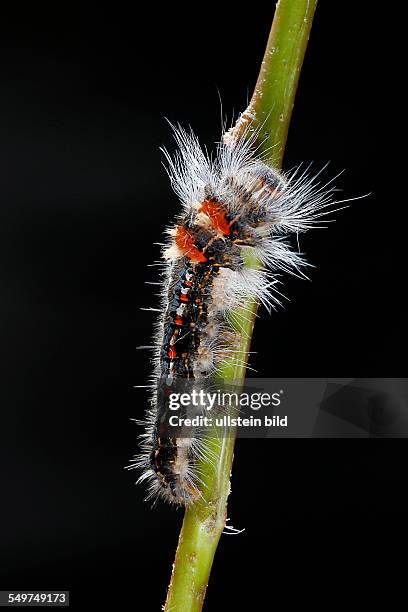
(270, 112)
(270, 109)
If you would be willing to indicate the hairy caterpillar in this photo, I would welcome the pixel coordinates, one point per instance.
(231, 204)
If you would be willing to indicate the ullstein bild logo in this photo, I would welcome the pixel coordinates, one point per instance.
(228, 421)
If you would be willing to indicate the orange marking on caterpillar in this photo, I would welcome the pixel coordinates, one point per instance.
(172, 353)
(183, 297)
(217, 216)
(185, 243)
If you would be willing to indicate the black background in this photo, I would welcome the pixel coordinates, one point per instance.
(83, 197)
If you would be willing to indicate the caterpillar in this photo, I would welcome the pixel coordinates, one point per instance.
(232, 204)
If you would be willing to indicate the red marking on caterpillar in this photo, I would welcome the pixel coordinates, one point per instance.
(185, 242)
(231, 203)
(172, 353)
(216, 214)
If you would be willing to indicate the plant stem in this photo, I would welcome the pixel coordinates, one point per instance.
(270, 112)
(271, 105)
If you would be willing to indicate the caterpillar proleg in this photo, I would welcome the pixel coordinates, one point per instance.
(231, 204)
